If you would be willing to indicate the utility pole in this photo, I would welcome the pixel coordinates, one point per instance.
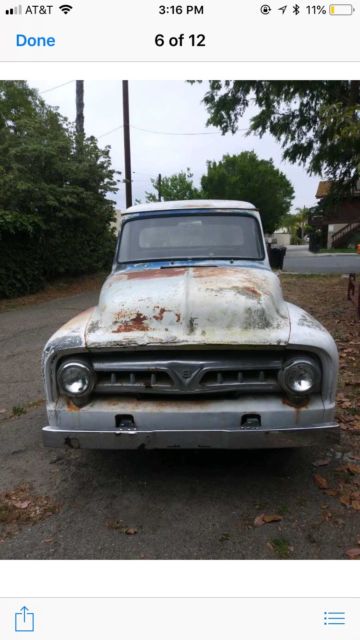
(159, 187)
(80, 107)
(127, 152)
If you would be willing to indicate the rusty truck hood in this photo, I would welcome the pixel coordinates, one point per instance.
(190, 306)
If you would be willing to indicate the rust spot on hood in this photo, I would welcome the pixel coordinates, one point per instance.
(136, 323)
(236, 280)
(210, 272)
(161, 313)
(240, 274)
(149, 274)
(250, 291)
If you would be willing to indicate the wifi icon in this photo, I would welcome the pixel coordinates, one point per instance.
(65, 8)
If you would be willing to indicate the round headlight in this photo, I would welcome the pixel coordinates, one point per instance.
(75, 378)
(300, 377)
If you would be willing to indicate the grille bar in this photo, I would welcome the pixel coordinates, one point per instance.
(187, 374)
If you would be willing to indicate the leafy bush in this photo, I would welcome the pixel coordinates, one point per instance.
(21, 270)
(55, 215)
(295, 239)
(28, 262)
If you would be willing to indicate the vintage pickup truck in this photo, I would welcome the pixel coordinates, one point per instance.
(191, 344)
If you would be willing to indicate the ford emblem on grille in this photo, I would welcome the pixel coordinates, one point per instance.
(186, 374)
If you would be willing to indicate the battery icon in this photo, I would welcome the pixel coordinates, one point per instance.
(341, 9)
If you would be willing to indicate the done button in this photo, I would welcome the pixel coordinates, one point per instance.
(34, 41)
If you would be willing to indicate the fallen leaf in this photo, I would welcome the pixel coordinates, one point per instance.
(272, 518)
(346, 405)
(327, 516)
(353, 554)
(22, 505)
(118, 525)
(353, 468)
(115, 524)
(354, 428)
(345, 500)
(331, 492)
(320, 481)
(266, 519)
(321, 463)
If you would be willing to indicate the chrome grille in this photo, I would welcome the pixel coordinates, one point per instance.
(187, 373)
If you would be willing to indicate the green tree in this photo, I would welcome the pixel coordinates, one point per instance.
(317, 122)
(179, 186)
(297, 224)
(55, 213)
(246, 177)
(302, 219)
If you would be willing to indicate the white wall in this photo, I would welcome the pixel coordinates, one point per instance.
(282, 239)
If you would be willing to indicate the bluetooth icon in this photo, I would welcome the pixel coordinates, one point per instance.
(296, 9)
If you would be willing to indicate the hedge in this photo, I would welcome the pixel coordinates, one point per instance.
(28, 261)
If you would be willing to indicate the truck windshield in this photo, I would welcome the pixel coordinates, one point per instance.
(191, 236)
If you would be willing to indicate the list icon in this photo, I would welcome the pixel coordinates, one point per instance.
(334, 618)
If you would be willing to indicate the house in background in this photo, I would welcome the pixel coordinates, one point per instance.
(340, 225)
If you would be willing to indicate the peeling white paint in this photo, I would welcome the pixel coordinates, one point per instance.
(195, 305)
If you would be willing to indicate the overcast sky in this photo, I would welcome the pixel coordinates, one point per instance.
(166, 107)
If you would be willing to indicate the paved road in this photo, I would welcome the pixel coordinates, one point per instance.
(23, 333)
(299, 260)
(199, 504)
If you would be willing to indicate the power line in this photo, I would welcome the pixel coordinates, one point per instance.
(58, 86)
(167, 133)
(111, 131)
(159, 133)
(177, 133)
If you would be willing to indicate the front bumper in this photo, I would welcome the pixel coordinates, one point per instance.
(319, 435)
(190, 424)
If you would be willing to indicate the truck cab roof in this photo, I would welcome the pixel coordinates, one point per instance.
(191, 204)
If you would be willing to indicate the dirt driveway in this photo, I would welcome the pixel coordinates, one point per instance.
(165, 504)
